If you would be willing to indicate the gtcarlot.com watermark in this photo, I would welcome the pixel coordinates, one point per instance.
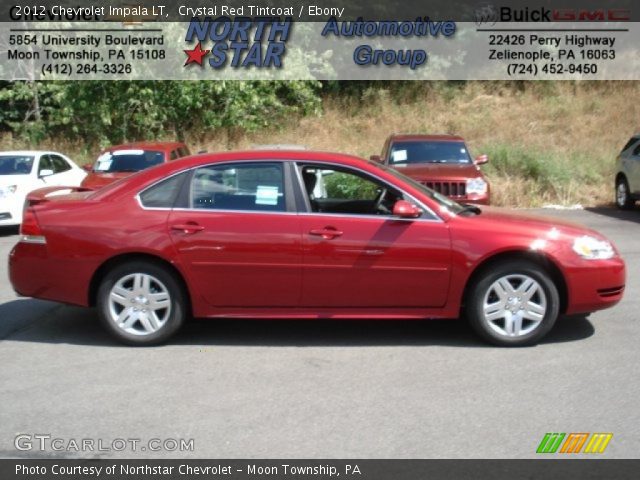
(45, 442)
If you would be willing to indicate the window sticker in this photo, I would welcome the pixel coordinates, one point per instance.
(266, 195)
(104, 162)
(399, 156)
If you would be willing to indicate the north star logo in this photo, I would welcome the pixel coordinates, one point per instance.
(240, 43)
(195, 55)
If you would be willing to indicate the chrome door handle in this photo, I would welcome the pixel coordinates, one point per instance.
(326, 233)
(187, 228)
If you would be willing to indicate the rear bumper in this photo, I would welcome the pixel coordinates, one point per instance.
(33, 273)
(597, 285)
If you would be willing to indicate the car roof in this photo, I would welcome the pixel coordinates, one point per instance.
(272, 154)
(202, 159)
(29, 152)
(163, 146)
(416, 137)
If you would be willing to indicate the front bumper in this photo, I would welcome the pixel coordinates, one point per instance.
(11, 211)
(474, 199)
(595, 285)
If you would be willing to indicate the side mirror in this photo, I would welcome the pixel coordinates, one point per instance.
(375, 158)
(481, 159)
(404, 209)
(87, 168)
(45, 172)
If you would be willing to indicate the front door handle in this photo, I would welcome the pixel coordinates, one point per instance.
(187, 228)
(327, 233)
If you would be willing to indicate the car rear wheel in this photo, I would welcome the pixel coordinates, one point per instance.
(140, 303)
(513, 304)
(623, 195)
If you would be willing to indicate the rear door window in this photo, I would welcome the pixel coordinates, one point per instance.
(246, 186)
(59, 164)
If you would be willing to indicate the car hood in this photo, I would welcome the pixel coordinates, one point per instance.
(97, 179)
(532, 222)
(440, 170)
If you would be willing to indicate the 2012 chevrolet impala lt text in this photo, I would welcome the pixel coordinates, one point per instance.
(299, 234)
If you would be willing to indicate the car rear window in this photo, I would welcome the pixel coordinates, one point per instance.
(428, 152)
(127, 161)
(629, 144)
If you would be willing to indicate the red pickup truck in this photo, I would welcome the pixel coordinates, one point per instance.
(441, 162)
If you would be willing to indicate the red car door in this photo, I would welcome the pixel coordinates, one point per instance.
(238, 241)
(354, 257)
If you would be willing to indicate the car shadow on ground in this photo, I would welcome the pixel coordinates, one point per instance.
(8, 231)
(632, 215)
(80, 326)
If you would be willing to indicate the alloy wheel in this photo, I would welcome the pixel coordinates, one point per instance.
(514, 305)
(139, 304)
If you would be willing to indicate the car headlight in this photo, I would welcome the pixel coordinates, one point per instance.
(476, 186)
(592, 248)
(6, 191)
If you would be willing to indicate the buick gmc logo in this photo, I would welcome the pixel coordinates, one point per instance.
(487, 14)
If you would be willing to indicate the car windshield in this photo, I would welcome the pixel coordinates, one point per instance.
(127, 161)
(443, 201)
(15, 164)
(428, 152)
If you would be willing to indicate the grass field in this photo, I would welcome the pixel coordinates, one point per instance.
(548, 142)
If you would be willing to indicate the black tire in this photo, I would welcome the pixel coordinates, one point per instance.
(162, 284)
(623, 200)
(514, 270)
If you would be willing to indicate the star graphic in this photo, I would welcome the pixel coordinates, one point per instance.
(195, 55)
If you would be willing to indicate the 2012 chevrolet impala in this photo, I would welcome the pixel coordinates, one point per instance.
(300, 234)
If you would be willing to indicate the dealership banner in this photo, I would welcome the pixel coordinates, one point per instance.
(237, 469)
(280, 40)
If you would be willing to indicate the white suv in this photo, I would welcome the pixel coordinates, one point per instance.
(628, 174)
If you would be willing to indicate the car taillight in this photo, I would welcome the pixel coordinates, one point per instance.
(30, 230)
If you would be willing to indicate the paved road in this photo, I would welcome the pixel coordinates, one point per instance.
(323, 389)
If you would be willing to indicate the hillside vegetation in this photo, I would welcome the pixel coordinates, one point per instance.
(548, 142)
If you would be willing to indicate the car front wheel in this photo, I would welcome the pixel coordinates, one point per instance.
(513, 304)
(140, 303)
(623, 195)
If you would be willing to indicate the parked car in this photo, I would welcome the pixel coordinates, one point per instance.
(26, 170)
(252, 234)
(440, 162)
(120, 161)
(628, 174)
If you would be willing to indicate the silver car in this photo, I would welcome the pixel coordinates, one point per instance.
(628, 174)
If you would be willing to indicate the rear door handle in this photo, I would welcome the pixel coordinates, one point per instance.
(187, 228)
(327, 233)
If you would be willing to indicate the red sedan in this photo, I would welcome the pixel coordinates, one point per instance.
(121, 161)
(299, 234)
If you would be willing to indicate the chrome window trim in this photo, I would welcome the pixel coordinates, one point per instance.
(436, 217)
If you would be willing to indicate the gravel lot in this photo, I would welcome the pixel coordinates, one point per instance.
(324, 389)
